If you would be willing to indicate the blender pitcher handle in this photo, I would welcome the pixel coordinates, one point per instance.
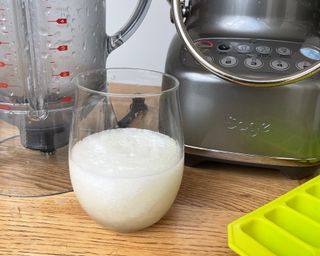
(132, 25)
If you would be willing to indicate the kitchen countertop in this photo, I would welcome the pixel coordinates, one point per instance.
(211, 196)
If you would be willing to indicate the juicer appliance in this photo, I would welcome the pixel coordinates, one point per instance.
(249, 90)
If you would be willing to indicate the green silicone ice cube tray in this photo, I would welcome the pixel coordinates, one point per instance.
(287, 226)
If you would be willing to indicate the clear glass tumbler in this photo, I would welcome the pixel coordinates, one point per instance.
(126, 152)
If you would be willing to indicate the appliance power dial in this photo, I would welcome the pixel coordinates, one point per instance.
(224, 48)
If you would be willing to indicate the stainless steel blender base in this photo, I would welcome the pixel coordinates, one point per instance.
(292, 168)
(269, 127)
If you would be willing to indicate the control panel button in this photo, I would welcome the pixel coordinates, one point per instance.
(284, 51)
(204, 44)
(310, 53)
(253, 63)
(224, 47)
(229, 61)
(279, 65)
(243, 48)
(263, 49)
(303, 64)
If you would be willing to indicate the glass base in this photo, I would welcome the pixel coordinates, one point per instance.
(30, 173)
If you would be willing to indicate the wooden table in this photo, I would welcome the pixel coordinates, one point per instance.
(211, 196)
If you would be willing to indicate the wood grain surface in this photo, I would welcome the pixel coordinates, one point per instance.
(211, 196)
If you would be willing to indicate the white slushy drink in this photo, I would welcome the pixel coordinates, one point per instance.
(126, 179)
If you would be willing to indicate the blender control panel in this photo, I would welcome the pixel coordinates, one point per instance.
(254, 56)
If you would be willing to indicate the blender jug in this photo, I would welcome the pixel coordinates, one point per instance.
(43, 45)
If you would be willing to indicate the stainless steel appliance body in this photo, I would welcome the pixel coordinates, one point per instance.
(276, 126)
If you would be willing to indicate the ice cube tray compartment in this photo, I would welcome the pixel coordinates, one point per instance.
(287, 226)
(269, 236)
(314, 191)
(296, 224)
(306, 205)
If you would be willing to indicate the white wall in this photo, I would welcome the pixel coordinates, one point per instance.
(147, 48)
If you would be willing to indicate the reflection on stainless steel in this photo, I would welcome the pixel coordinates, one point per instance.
(282, 20)
(247, 158)
(268, 19)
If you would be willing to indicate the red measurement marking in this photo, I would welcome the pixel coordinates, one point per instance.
(63, 74)
(3, 85)
(8, 53)
(5, 32)
(60, 21)
(52, 62)
(61, 48)
(66, 99)
(2, 64)
(50, 35)
(4, 43)
(5, 107)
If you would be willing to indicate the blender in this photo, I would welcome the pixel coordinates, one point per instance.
(247, 91)
(43, 45)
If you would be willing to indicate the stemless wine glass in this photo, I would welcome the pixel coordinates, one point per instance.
(126, 152)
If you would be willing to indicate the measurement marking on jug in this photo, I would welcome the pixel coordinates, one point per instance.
(3, 85)
(60, 21)
(2, 64)
(4, 107)
(63, 74)
(61, 48)
(4, 42)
